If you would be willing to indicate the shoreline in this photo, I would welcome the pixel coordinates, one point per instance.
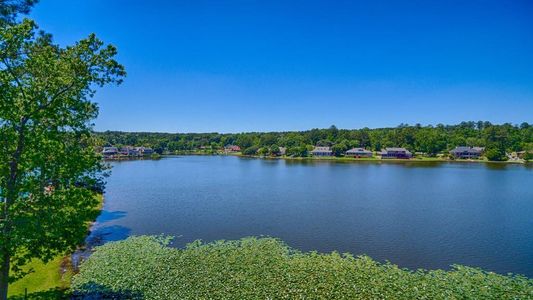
(55, 275)
(356, 160)
(84, 250)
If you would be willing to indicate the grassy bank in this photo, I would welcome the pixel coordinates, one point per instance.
(56, 274)
(377, 159)
(265, 268)
(349, 159)
(47, 279)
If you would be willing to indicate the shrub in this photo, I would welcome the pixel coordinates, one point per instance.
(274, 150)
(495, 154)
(250, 150)
(297, 151)
(528, 156)
(265, 268)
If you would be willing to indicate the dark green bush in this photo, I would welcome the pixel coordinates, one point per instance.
(265, 268)
(250, 150)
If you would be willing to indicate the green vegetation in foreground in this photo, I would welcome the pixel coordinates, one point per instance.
(49, 166)
(45, 277)
(52, 278)
(265, 268)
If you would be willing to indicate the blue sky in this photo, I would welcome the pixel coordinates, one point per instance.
(233, 66)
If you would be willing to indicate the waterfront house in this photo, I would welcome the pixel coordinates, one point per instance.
(110, 151)
(232, 148)
(282, 150)
(522, 154)
(129, 151)
(322, 151)
(148, 151)
(359, 152)
(467, 152)
(394, 152)
(139, 150)
(124, 151)
(144, 151)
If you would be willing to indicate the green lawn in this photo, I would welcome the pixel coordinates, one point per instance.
(45, 277)
(46, 281)
(379, 159)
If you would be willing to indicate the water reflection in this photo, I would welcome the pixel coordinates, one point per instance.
(100, 233)
(106, 216)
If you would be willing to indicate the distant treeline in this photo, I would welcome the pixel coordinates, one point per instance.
(431, 140)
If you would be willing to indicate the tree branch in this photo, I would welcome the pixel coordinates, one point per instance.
(17, 80)
(56, 95)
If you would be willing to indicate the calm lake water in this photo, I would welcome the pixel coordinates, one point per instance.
(416, 215)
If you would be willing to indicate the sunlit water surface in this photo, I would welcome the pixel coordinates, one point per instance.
(416, 215)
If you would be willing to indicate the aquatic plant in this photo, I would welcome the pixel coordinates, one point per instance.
(266, 268)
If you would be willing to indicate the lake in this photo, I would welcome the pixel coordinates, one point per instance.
(416, 215)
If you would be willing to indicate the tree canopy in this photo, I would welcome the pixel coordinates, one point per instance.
(49, 169)
(427, 139)
(9, 9)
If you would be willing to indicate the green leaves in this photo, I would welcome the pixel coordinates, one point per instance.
(9, 9)
(266, 268)
(49, 169)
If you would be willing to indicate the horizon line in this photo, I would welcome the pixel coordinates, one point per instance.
(333, 125)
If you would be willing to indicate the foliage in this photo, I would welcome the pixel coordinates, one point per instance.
(9, 9)
(250, 150)
(427, 139)
(244, 141)
(266, 268)
(528, 156)
(48, 166)
(47, 280)
(274, 150)
(297, 151)
(263, 151)
(495, 153)
(340, 148)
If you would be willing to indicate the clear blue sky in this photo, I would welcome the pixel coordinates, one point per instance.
(232, 66)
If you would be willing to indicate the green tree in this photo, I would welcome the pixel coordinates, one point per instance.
(528, 156)
(244, 141)
(332, 132)
(292, 139)
(297, 151)
(496, 138)
(9, 9)
(324, 143)
(263, 151)
(274, 150)
(250, 150)
(48, 166)
(268, 139)
(495, 153)
(429, 141)
(340, 148)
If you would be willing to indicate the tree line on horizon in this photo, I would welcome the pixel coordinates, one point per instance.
(430, 140)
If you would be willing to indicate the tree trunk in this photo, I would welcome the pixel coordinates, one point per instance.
(10, 198)
(4, 277)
